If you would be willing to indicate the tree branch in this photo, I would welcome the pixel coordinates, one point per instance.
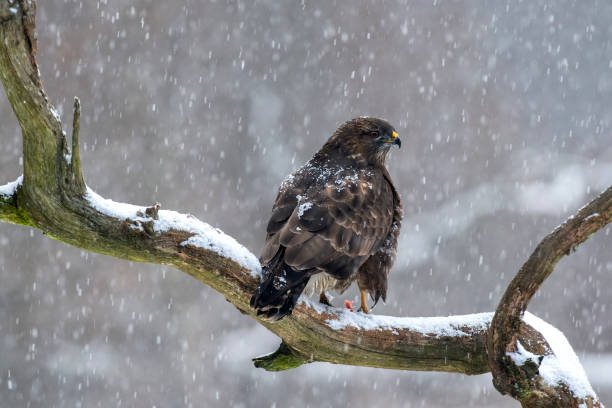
(75, 156)
(54, 198)
(510, 378)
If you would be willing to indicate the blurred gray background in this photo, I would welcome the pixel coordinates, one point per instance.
(503, 108)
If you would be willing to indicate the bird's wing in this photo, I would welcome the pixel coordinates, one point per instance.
(333, 225)
(289, 193)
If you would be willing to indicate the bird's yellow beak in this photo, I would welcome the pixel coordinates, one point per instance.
(394, 139)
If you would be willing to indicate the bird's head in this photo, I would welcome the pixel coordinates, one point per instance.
(366, 139)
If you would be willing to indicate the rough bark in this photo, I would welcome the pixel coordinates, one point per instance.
(52, 198)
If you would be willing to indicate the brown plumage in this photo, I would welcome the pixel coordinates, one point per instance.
(337, 217)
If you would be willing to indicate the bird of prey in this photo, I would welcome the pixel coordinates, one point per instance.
(334, 221)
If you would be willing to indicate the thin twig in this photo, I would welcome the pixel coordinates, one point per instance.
(75, 160)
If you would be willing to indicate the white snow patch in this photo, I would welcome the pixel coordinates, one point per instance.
(113, 208)
(432, 326)
(8, 189)
(302, 208)
(205, 236)
(317, 306)
(563, 367)
(209, 238)
(522, 355)
(287, 181)
(592, 216)
(55, 114)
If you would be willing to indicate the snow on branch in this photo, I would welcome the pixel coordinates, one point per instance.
(8, 190)
(203, 235)
(562, 366)
(455, 326)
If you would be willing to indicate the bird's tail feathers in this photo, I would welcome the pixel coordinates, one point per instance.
(279, 291)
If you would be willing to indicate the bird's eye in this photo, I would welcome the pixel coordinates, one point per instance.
(374, 134)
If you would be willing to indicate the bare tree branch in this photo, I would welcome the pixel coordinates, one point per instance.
(503, 334)
(53, 197)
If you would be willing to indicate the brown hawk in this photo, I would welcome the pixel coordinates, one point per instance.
(334, 221)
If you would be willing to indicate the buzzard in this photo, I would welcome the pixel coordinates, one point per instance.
(334, 221)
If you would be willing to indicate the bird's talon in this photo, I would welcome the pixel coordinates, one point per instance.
(364, 303)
